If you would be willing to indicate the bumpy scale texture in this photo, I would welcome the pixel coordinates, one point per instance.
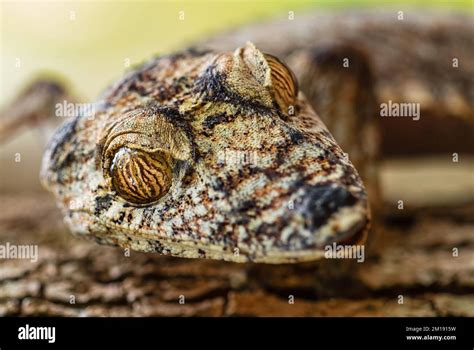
(207, 155)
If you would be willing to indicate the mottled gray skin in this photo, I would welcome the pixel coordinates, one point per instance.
(259, 184)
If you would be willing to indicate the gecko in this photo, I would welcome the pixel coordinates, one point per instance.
(238, 163)
(205, 154)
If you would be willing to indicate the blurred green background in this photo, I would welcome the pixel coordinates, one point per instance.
(91, 43)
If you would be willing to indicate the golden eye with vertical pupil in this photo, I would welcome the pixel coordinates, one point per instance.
(138, 153)
(140, 177)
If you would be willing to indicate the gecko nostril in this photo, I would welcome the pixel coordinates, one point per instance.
(321, 201)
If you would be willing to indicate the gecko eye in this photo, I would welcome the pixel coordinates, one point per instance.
(279, 82)
(138, 153)
(140, 177)
(283, 81)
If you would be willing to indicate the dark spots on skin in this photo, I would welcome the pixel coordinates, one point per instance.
(182, 82)
(147, 214)
(171, 114)
(211, 85)
(245, 206)
(351, 178)
(66, 152)
(219, 186)
(321, 201)
(243, 220)
(327, 154)
(243, 213)
(251, 171)
(119, 220)
(296, 136)
(157, 247)
(189, 178)
(223, 185)
(298, 183)
(202, 253)
(57, 144)
(166, 92)
(281, 156)
(138, 87)
(332, 159)
(329, 159)
(217, 119)
(163, 92)
(103, 203)
(271, 174)
(68, 160)
(179, 84)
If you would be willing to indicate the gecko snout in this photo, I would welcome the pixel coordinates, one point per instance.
(333, 213)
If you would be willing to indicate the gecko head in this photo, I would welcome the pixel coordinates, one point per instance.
(204, 154)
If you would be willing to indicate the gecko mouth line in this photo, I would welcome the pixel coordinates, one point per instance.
(167, 246)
